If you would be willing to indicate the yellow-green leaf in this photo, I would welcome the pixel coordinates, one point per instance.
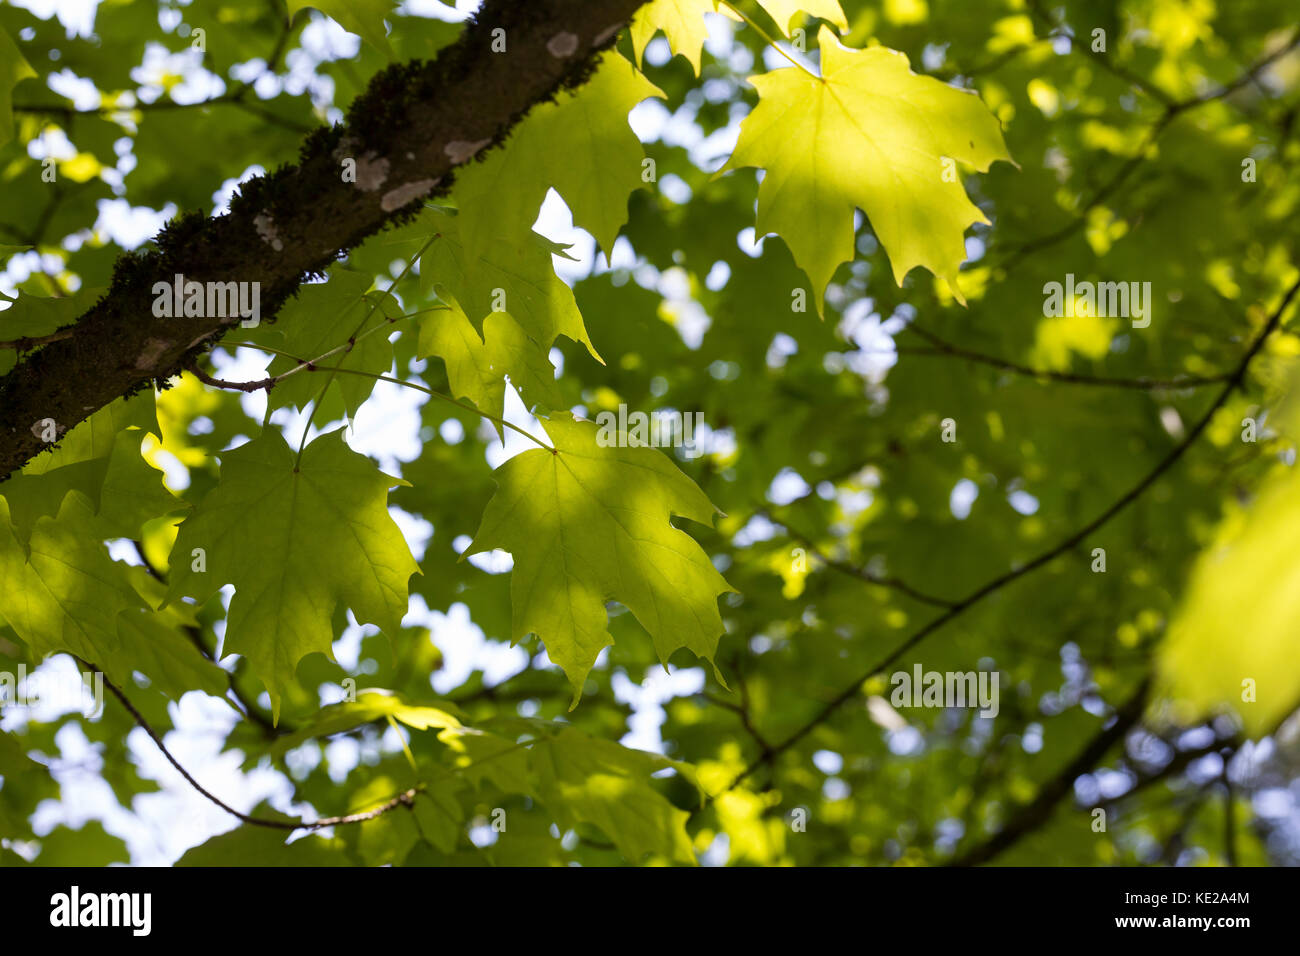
(789, 13)
(13, 70)
(682, 22)
(477, 366)
(581, 145)
(871, 134)
(1232, 642)
(370, 705)
(295, 538)
(588, 524)
(65, 593)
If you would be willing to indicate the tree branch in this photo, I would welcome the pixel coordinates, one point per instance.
(943, 347)
(1035, 814)
(851, 690)
(422, 118)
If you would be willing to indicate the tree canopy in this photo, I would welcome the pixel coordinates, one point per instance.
(892, 461)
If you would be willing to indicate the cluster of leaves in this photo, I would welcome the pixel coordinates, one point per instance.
(815, 539)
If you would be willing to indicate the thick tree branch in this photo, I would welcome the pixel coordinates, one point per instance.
(412, 127)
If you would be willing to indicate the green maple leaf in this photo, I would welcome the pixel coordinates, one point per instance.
(365, 18)
(369, 706)
(266, 846)
(94, 438)
(62, 592)
(438, 813)
(154, 643)
(584, 779)
(868, 133)
(581, 779)
(683, 23)
(587, 524)
(786, 12)
(512, 273)
(13, 70)
(295, 539)
(477, 366)
(1238, 619)
(595, 174)
(123, 488)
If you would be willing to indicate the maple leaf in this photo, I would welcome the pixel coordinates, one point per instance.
(868, 133)
(62, 592)
(513, 274)
(502, 195)
(477, 365)
(295, 539)
(320, 318)
(683, 23)
(587, 524)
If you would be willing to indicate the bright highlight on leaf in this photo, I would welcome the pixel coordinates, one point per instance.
(1232, 643)
(13, 70)
(869, 134)
(587, 525)
(477, 366)
(683, 23)
(788, 14)
(62, 592)
(296, 540)
(369, 706)
(502, 195)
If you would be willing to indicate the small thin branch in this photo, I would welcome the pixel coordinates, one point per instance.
(1034, 814)
(851, 690)
(1173, 109)
(404, 799)
(942, 347)
(176, 764)
(863, 574)
(34, 341)
(206, 379)
(767, 37)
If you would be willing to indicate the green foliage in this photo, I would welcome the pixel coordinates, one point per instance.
(319, 521)
(1097, 520)
(588, 524)
(866, 132)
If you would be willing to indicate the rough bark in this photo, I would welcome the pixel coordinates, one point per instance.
(421, 119)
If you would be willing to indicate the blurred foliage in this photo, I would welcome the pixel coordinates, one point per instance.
(1160, 151)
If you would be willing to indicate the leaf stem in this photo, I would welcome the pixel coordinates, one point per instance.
(311, 366)
(768, 37)
(446, 398)
(315, 405)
